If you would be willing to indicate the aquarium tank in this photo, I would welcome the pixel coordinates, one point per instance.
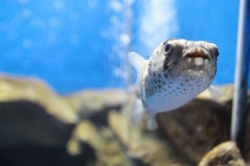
(71, 95)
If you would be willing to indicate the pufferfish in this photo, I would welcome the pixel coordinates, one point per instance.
(177, 71)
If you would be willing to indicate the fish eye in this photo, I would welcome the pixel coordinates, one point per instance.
(167, 47)
(216, 52)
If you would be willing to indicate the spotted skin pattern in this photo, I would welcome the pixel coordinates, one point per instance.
(173, 77)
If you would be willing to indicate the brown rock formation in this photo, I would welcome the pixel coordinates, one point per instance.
(226, 153)
(92, 127)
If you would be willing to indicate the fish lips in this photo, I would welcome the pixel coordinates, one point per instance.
(196, 57)
(196, 51)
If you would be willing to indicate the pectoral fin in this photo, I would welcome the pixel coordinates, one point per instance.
(152, 124)
(136, 61)
(214, 92)
(137, 112)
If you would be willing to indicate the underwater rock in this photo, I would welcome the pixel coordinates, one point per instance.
(23, 123)
(226, 153)
(89, 102)
(36, 91)
(121, 144)
(92, 127)
(197, 127)
(142, 145)
(102, 140)
(30, 112)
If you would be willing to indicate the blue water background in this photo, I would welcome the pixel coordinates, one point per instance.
(75, 45)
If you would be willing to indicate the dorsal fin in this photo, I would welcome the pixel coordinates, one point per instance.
(136, 60)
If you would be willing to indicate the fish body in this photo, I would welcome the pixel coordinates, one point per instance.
(177, 71)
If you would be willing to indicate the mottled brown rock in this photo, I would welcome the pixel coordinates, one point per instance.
(226, 100)
(32, 113)
(107, 149)
(149, 147)
(226, 153)
(23, 123)
(197, 127)
(36, 91)
(89, 102)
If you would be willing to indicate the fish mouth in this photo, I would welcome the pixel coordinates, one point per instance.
(196, 57)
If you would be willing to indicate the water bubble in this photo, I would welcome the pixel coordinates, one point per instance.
(92, 3)
(38, 23)
(2, 26)
(73, 16)
(27, 43)
(118, 72)
(54, 22)
(116, 5)
(13, 35)
(51, 37)
(23, 2)
(59, 5)
(26, 13)
(125, 38)
(74, 38)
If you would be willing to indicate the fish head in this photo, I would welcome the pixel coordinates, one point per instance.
(194, 58)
